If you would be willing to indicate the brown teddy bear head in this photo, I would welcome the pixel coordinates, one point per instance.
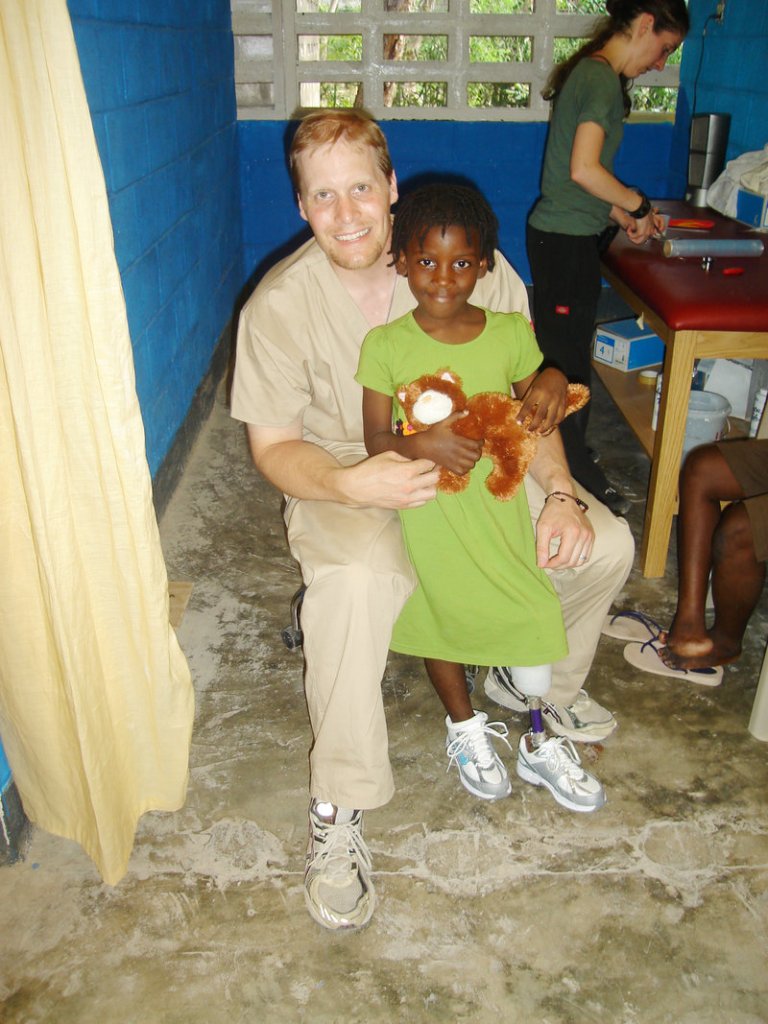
(431, 398)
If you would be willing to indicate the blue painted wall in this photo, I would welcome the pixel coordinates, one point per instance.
(5, 771)
(732, 78)
(159, 77)
(502, 159)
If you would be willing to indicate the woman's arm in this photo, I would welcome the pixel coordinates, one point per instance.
(589, 174)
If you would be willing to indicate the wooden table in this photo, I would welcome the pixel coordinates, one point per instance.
(697, 314)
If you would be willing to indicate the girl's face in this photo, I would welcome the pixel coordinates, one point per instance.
(442, 270)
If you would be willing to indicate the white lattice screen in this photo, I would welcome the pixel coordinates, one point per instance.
(279, 45)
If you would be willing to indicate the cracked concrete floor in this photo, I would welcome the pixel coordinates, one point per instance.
(655, 909)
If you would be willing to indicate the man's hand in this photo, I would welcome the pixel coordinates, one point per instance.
(564, 535)
(544, 402)
(388, 480)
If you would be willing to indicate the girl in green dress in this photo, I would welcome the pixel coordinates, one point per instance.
(481, 599)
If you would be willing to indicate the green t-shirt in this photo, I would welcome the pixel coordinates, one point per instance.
(591, 93)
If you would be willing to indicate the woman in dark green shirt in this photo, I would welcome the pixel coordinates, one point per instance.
(581, 196)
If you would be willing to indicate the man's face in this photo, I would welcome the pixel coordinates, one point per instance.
(345, 198)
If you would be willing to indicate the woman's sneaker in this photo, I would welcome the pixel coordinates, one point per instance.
(337, 884)
(468, 746)
(556, 765)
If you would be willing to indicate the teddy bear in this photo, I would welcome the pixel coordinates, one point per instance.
(489, 415)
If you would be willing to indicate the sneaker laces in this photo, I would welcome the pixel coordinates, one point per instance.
(474, 742)
(560, 755)
(337, 847)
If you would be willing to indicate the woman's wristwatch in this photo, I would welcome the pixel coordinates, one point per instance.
(643, 209)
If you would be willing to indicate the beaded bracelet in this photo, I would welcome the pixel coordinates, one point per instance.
(562, 495)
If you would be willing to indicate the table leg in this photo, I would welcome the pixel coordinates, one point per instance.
(668, 447)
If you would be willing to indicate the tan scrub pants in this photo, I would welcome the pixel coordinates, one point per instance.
(358, 578)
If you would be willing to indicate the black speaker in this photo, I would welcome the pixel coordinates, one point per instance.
(706, 154)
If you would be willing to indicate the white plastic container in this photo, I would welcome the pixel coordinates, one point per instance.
(707, 419)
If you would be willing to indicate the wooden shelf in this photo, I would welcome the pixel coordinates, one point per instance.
(634, 400)
(635, 403)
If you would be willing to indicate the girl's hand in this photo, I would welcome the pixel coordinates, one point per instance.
(544, 402)
(439, 443)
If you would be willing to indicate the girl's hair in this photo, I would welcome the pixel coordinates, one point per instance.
(668, 16)
(325, 127)
(445, 205)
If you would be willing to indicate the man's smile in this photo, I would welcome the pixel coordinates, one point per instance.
(353, 237)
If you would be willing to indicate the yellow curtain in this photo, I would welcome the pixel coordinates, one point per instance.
(96, 700)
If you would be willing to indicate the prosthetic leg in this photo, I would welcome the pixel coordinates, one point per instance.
(534, 682)
(552, 762)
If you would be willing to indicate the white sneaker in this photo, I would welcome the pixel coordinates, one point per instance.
(556, 765)
(480, 769)
(584, 721)
(337, 885)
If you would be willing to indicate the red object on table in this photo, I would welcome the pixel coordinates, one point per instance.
(691, 223)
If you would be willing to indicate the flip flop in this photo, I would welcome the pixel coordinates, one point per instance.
(631, 625)
(646, 656)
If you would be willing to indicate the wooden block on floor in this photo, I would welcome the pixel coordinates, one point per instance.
(178, 596)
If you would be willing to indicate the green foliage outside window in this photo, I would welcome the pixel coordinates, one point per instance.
(483, 49)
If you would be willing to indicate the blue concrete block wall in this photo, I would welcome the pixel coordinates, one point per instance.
(732, 79)
(159, 76)
(507, 172)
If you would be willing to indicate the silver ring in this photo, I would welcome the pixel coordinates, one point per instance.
(582, 558)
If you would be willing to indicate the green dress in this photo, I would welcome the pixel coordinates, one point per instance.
(481, 598)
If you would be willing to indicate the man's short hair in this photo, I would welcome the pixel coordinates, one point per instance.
(325, 127)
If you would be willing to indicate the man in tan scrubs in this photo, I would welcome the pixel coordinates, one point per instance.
(298, 345)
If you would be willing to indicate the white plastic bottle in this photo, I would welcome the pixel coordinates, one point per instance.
(757, 411)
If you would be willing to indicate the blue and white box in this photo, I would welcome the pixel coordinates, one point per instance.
(626, 346)
(752, 209)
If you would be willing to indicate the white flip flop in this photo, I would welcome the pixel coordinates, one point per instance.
(646, 656)
(629, 625)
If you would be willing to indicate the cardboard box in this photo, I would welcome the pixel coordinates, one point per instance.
(752, 208)
(732, 379)
(625, 346)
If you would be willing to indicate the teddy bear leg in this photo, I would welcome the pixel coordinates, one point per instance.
(451, 483)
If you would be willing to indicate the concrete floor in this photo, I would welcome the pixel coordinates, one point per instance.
(654, 909)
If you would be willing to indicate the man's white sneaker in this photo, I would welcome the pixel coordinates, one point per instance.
(468, 746)
(337, 884)
(556, 765)
(584, 721)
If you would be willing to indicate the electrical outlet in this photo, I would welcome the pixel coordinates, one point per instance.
(720, 11)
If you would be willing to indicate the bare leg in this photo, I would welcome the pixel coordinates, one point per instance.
(709, 539)
(450, 684)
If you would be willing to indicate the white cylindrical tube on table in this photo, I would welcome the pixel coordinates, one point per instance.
(713, 247)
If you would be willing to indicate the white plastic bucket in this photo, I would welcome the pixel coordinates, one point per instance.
(707, 419)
